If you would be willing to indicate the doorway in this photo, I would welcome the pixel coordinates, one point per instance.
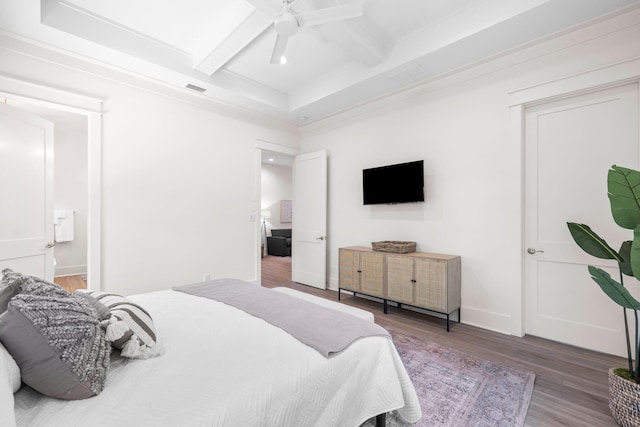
(276, 194)
(71, 182)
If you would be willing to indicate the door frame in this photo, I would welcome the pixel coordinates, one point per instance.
(92, 109)
(264, 145)
(618, 74)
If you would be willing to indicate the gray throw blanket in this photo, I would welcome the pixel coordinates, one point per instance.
(326, 330)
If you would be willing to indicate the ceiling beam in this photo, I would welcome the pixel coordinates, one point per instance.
(363, 42)
(242, 23)
(70, 18)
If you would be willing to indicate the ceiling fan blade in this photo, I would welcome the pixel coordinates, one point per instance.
(331, 14)
(279, 49)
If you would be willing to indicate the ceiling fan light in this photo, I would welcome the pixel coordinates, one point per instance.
(286, 24)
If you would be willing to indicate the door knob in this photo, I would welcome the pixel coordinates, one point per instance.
(320, 238)
(533, 251)
(50, 245)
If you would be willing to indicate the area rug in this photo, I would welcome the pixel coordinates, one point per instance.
(459, 390)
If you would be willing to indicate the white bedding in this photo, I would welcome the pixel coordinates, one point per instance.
(222, 367)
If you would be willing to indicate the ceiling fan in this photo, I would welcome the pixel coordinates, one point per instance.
(287, 23)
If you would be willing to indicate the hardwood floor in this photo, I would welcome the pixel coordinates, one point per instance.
(71, 283)
(571, 387)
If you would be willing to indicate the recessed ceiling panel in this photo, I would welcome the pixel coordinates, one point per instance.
(225, 46)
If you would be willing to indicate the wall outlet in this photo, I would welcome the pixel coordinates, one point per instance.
(206, 277)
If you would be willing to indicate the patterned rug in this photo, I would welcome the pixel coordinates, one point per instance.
(459, 390)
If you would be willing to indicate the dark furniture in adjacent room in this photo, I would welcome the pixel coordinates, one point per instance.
(279, 243)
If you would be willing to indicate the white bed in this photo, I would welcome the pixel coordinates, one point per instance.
(223, 367)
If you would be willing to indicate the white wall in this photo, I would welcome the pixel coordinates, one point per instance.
(460, 125)
(179, 174)
(276, 186)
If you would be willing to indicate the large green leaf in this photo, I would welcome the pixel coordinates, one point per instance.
(623, 186)
(618, 293)
(635, 252)
(625, 253)
(591, 243)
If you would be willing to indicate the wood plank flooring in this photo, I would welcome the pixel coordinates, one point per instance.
(571, 386)
(71, 283)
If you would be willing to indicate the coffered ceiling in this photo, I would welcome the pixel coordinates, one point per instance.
(222, 49)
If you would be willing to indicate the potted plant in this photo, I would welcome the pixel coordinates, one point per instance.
(624, 196)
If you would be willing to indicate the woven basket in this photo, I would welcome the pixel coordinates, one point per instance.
(624, 400)
(394, 246)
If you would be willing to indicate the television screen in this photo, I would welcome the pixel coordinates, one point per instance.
(400, 183)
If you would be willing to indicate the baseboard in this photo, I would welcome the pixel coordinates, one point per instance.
(72, 270)
(497, 322)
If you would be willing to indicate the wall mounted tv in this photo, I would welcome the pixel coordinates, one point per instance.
(400, 183)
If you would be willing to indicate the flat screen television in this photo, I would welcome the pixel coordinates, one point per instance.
(399, 183)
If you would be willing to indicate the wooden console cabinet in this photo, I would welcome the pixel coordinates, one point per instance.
(428, 281)
(362, 271)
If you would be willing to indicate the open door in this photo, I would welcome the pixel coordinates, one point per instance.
(26, 191)
(309, 247)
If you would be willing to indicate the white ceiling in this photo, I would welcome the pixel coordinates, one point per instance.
(277, 159)
(224, 46)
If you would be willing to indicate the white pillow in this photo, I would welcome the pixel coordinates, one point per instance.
(9, 384)
(9, 370)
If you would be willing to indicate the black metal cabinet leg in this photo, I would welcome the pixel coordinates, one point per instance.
(381, 420)
(385, 306)
(338, 294)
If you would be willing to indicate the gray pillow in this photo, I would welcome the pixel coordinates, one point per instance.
(101, 309)
(34, 285)
(58, 343)
(10, 286)
(13, 283)
(7, 291)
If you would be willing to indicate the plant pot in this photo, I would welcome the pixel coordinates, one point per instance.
(624, 400)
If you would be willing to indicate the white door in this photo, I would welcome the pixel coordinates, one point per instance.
(26, 193)
(570, 146)
(309, 244)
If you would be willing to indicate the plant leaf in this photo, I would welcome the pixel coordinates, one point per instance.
(625, 253)
(635, 252)
(591, 243)
(618, 293)
(623, 186)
